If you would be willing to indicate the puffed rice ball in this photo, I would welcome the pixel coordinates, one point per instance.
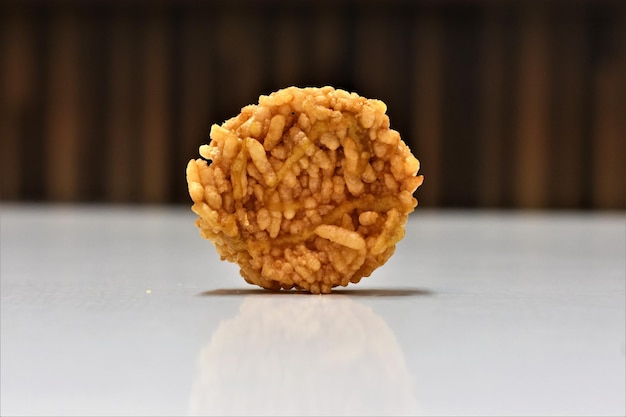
(308, 189)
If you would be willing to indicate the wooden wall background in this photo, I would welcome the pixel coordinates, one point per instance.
(507, 104)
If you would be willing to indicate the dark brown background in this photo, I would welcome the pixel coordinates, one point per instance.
(507, 104)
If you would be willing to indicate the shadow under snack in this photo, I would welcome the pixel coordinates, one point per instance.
(366, 292)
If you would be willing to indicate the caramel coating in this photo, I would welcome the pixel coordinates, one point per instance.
(309, 189)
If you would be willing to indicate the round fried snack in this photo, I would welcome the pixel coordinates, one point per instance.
(309, 189)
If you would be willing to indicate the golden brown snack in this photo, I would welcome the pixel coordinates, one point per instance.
(309, 189)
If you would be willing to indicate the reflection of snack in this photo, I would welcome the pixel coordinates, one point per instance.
(308, 189)
(302, 356)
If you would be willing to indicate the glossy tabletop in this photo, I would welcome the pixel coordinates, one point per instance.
(127, 311)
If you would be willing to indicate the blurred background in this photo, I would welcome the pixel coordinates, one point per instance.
(507, 104)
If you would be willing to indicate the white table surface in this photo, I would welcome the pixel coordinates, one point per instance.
(127, 311)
